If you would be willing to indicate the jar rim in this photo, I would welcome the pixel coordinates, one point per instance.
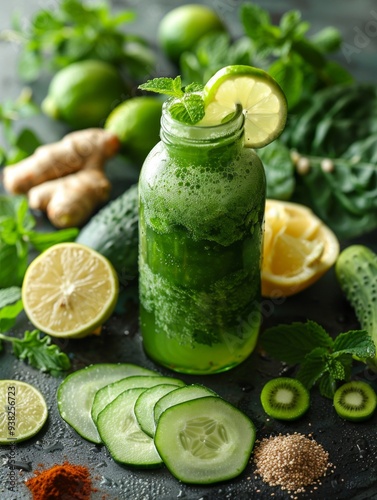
(232, 127)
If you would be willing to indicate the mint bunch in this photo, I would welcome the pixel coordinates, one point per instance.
(188, 105)
(322, 360)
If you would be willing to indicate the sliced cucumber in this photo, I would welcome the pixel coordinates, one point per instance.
(180, 395)
(121, 434)
(204, 440)
(144, 406)
(109, 392)
(76, 393)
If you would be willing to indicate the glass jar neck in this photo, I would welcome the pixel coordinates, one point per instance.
(178, 135)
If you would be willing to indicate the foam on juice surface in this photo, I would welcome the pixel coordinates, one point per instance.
(201, 198)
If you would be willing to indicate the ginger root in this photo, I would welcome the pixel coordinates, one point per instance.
(66, 179)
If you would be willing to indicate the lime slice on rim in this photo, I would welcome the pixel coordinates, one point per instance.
(262, 100)
(69, 290)
(23, 411)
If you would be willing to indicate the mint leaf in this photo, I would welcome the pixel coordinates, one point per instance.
(9, 295)
(188, 110)
(168, 86)
(42, 241)
(336, 368)
(355, 342)
(312, 367)
(187, 106)
(8, 315)
(291, 343)
(327, 385)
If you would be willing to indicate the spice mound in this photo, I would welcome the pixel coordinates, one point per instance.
(63, 482)
(291, 461)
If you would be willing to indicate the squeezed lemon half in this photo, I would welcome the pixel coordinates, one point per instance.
(298, 248)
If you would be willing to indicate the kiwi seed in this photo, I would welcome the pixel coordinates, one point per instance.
(285, 398)
(355, 401)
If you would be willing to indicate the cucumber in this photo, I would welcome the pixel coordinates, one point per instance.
(145, 403)
(180, 395)
(204, 440)
(76, 393)
(113, 232)
(121, 434)
(109, 392)
(356, 271)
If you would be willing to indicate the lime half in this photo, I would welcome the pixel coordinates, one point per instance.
(69, 290)
(23, 411)
(263, 102)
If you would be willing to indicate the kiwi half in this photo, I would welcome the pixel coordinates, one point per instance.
(355, 401)
(285, 398)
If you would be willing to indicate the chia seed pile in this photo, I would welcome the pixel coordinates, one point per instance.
(291, 461)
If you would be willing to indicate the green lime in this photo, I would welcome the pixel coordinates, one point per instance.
(69, 290)
(23, 411)
(181, 28)
(136, 122)
(84, 93)
(263, 102)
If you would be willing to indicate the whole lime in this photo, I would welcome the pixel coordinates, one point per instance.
(84, 93)
(136, 122)
(181, 28)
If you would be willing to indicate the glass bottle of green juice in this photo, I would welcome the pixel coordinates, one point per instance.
(202, 197)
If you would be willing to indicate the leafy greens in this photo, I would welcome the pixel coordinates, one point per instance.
(322, 360)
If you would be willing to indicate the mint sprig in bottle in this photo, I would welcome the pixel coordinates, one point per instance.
(202, 198)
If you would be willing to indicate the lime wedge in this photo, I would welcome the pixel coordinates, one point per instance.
(23, 411)
(262, 100)
(69, 290)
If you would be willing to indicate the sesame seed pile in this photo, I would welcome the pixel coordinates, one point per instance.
(291, 461)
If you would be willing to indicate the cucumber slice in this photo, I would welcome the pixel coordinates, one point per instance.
(108, 393)
(121, 434)
(144, 406)
(76, 393)
(180, 395)
(204, 440)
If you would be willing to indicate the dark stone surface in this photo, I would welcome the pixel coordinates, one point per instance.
(352, 447)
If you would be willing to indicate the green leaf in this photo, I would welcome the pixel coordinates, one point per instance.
(291, 343)
(289, 75)
(328, 39)
(189, 109)
(336, 368)
(39, 352)
(279, 168)
(9, 295)
(42, 241)
(29, 65)
(255, 20)
(168, 86)
(355, 342)
(327, 385)
(309, 53)
(9, 314)
(312, 367)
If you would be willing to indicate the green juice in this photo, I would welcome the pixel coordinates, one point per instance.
(202, 197)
